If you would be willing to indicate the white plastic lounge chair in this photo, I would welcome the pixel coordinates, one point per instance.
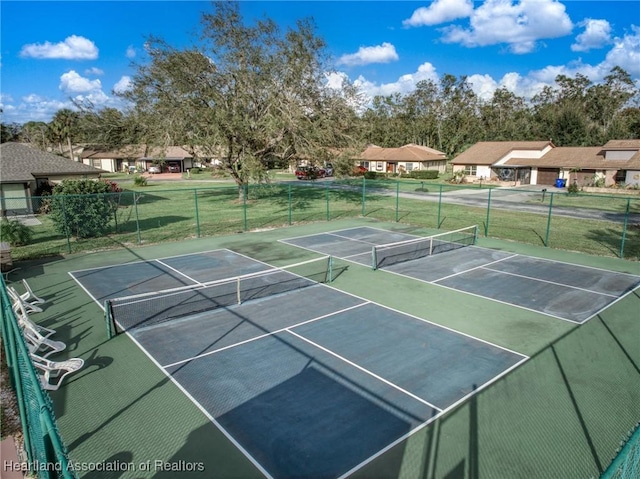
(16, 298)
(53, 372)
(25, 321)
(40, 345)
(29, 296)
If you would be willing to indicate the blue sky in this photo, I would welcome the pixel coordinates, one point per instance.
(53, 51)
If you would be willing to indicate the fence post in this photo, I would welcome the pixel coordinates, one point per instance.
(195, 199)
(364, 195)
(439, 206)
(290, 204)
(624, 227)
(245, 193)
(66, 224)
(486, 225)
(135, 205)
(326, 196)
(546, 237)
(397, 200)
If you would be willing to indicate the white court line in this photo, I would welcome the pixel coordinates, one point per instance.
(147, 260)
(204, 410)
(551, 282)
(431, 419)
(181, 273)
(182, 361)
(481, 297)
(471, 269)
(364, 370)
(611, 304)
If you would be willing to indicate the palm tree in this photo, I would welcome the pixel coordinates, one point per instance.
(62, 127)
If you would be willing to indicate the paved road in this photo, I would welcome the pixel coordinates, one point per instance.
(513, 199)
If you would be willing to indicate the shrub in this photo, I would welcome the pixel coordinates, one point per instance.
(84, 208)
(370, 175)
(14, 232)
(424, 174)
(573, 188)
(140, 180)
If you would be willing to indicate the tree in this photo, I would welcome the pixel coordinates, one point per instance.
(248, 95)
(63, 127)
(83, 208)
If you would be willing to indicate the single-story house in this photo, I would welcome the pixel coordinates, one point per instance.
(403, 159)
(24, 169)
(542, 163)
(140, 157)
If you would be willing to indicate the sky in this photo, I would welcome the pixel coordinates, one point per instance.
(52, 52)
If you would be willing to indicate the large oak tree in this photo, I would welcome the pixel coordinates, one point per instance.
(247, 95)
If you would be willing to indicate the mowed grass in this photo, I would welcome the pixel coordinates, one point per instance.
(161, 212)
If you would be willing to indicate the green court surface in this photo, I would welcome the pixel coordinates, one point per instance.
(562, 413)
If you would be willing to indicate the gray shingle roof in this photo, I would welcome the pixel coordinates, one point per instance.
(20, 162)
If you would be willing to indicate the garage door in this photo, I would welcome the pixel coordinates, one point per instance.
(547, 176)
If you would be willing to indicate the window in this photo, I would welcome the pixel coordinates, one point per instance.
(96, 163)
(409, 166)
(470, 170)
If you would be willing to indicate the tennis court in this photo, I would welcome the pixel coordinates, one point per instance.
(306, 380)
(561, 290)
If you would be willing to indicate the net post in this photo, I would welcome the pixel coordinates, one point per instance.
(238, 291)
(430, 246)
(108, 317)
(330, 269)
(475, 235)
(374, 258)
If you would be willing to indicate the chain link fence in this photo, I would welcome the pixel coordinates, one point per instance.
(593, 224)
(47, 456)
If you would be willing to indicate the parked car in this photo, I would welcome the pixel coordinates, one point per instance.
(309, 172)
(174, 169)
(328, 169)
(155, 169)
(359, 170)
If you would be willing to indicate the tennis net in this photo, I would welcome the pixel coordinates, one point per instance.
(401, 251)
(125, 313)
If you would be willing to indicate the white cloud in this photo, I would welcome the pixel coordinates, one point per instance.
(131, 52)
(122, 85)
(440, 11)
(597, 33)
(72, 82)
(94, 71)
(520, 25)
(72, 48)
(405, 84)
(384, 53)
(625, 53)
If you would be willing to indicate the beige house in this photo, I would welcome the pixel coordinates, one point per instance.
(140, 157)
(24, 169)
(542, 163)
(402, 160)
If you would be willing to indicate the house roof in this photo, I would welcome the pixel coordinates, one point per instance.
(137, 152)
(408, 152)
(622, 145)
(570, 157)
(20, 162)
(489, 152)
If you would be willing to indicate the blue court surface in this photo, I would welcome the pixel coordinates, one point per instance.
(311, 382)
(564, 291)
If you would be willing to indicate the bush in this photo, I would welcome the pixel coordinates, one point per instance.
(370, 175)
(424, 174)
(195, 171)
(573, 188)
(140, 181)
(14, 232)
(84, 208)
